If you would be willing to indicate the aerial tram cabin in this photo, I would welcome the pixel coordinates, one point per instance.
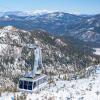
(29, 84)
(32, 81)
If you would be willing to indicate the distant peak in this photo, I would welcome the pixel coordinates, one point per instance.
(9, 28)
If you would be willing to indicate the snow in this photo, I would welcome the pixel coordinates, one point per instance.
(27, 13)
(97, 51)
(31, 13)
(90, 20)
(8, 28)
(7, 96)
(75, 89)
(2, 46)
(40, 12)
(6, 17)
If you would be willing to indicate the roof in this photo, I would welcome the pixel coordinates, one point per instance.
(33, 79)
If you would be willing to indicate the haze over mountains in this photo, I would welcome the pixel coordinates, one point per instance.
(83, 27)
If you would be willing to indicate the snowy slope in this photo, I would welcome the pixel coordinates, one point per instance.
(97, 51)
(81, 89)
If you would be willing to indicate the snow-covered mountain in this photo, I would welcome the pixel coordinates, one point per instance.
(26, 13)
(85, 28)
(58, 54)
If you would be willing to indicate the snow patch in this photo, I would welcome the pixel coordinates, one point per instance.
(9, 28)
(97, 51)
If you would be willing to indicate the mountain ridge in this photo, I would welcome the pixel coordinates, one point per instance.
(85, 28)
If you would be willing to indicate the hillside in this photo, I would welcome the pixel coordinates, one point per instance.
(59, 56)
(81, 89)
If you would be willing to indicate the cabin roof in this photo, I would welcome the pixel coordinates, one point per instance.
(31, 79)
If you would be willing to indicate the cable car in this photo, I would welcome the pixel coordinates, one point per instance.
(29, 84)
(32, 81)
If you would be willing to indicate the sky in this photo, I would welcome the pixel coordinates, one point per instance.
(69, 6)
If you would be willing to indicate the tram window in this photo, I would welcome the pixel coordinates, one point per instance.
(30, 86)
(34, 85)
(21, 84)
(38, 82)
(25, 84)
